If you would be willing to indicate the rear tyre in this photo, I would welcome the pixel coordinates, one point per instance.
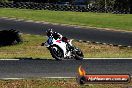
(56, 52)
(78, 54)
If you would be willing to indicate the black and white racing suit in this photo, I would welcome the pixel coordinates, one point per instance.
(56, 36)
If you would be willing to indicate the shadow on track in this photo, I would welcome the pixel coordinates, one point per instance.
(44, 59)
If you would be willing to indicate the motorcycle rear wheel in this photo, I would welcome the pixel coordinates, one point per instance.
(78, 54)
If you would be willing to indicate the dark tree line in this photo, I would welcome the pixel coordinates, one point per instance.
(123, 5)
(107, 5)
(115, 5)
(40, 1)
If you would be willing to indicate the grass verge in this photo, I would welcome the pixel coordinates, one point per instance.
(31, 48)
(100, 20)
(55, 83)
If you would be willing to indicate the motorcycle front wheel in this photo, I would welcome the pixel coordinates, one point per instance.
(56, 52)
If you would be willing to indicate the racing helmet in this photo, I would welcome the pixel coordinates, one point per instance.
(49, 32)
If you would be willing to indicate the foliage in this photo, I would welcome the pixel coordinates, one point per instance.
(122, 6)
(4, 0)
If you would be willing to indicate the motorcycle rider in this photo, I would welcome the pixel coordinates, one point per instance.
(56, 35)
(51, 34)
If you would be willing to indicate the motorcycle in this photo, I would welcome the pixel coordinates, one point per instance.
(63, 49)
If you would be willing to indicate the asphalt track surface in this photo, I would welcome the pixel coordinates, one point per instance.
(67, 68)
(86, 34)
(26, 68)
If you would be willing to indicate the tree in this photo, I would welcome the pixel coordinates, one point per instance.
(122, 5)
(3, 0)
(130, 6)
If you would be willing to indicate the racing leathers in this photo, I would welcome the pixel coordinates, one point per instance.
(56, 36)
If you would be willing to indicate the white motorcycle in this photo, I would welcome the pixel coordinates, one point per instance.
(63, 49)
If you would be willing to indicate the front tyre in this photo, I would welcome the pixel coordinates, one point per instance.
(78, 54)
(56, 52)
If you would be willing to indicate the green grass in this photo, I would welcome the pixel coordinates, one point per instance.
(55, 83)
(31, 48)
(99, 20)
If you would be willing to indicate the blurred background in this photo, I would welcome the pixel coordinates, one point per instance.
(107, 6)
